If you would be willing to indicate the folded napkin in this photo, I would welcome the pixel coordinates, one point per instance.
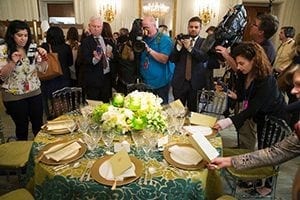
(184, 155)
(62, 153)
(204, 130)
(105, 170)
(61, 124)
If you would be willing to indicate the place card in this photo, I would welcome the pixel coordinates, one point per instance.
(161, 142)
(118, 146)
(120, 162)
(203, 120)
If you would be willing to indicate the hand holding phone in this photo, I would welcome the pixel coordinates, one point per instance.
(99, 49)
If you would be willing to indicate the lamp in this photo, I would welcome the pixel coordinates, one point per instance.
(156, 9)
(206, 14)
(108, 10)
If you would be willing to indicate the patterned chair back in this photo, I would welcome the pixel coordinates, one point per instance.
(65, 100)
(274, 130)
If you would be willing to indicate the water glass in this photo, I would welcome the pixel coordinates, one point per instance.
(108, 138)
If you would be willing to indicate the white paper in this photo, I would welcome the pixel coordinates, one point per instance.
(105, 170)
(207, 148)
(184, 155)
(204, 130)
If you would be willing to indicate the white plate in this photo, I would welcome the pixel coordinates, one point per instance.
(105, 170)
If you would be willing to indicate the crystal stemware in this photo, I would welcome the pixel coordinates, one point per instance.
(108, 138)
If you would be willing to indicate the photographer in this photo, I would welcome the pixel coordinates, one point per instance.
(190, 65)
(155, 67)
(128, 57)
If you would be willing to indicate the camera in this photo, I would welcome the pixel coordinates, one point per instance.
(31, 52)
(138, 44)
(229, 31)
(136, 35)
(182, 36)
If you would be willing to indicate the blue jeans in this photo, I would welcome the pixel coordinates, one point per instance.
(163, 93)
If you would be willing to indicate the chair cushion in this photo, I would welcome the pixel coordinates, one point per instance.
(248, 174)
(17, 194)
(14, 154)
(234, 151)
(253, 174)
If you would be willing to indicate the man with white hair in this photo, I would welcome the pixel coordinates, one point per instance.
(97, 77)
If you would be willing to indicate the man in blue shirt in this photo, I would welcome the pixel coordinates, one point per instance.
(155, 68)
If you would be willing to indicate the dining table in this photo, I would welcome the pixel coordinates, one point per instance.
(157, 178)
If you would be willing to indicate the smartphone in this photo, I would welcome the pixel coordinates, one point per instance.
(224, 85)
(31, 52)
(99, 49)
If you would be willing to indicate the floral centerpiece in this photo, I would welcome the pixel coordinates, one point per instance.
(136, 111)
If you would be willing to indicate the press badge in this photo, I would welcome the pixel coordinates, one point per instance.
(245, 104)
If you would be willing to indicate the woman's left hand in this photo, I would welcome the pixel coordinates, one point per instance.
(43, 53)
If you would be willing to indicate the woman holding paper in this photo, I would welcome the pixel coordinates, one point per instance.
(285, 150)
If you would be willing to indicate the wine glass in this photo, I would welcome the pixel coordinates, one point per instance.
(138, 139)
(71, 125)
(108, 138)
(83, 124)
(150, 141)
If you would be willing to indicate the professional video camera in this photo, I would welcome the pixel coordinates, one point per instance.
(229, 31)
(136, 35)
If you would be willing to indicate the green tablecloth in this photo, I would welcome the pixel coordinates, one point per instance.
(167, 182)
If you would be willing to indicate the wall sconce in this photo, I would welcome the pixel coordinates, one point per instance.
(156, 9)
(108, 10)
(206, 14)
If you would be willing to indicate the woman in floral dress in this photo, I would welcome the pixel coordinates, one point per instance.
(20, 89)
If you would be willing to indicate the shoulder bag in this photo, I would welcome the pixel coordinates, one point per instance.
(54, 67)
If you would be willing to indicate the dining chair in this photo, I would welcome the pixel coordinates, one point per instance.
(274, 130)
(14, 156)
(211, 102)
(142, 87)
(17, 194)
(65, 100)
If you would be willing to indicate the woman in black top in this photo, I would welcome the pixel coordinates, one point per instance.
(256, 88)
(55, 38)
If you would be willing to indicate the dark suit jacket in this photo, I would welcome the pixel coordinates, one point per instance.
(93, 74)
(198, 79)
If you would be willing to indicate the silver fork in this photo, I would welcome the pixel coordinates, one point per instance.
(86, 170)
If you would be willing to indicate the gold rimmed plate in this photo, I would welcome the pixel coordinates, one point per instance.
(171, 161)
(67, 160)
(100, 179)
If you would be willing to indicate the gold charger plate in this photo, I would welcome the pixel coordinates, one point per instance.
(47, 161)
(96, 175)
(172, 162)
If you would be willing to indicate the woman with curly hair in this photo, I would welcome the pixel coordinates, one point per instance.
(256, 88)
